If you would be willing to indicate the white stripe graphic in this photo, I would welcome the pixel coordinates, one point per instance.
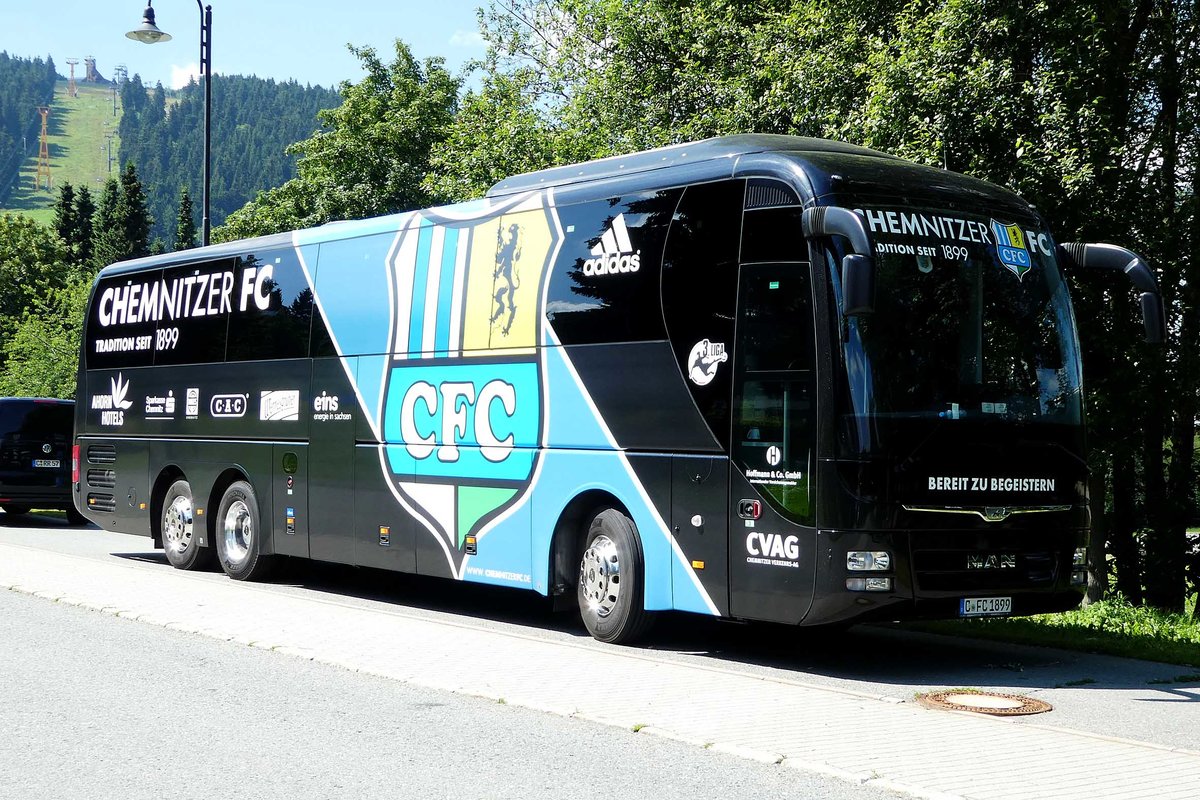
(618, 226)
(403, 268)
(433, 281)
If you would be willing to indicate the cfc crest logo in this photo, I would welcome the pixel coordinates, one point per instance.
(462, 414)
(1011, 248)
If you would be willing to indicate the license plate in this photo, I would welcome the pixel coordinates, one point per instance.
(52, 463)
(984, 606)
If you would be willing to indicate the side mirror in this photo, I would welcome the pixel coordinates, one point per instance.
(858, 268)
(1110, 256)
(858, 285)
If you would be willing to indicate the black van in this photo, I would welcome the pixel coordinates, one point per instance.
(35, 455)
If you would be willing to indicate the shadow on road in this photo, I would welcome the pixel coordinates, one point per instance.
(884, 655)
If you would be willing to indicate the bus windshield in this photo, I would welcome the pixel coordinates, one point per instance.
(972, 322)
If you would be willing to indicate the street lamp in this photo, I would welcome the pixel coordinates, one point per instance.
(149, 33)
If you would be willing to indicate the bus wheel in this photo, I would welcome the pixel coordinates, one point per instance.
(239, 540)
(611, 576)
(179, 542)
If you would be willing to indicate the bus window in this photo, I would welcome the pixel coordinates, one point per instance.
(699, 289)
(274, 320)
(119, 336)
(200, 297)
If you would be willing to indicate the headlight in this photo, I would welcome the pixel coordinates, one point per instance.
(868, 560)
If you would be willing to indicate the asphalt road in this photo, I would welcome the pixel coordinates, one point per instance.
(92, 706)
(1109, 696)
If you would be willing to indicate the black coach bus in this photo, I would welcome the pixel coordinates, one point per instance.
(760, 377)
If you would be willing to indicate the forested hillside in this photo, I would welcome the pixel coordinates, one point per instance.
(254, 120)
(25, 84)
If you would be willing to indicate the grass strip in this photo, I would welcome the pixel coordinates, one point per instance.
(1112, 627)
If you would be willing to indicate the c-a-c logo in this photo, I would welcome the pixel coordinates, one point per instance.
(227, 405)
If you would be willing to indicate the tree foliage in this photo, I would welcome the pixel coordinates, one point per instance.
(253, 122)
(25, 84)
(371, 155)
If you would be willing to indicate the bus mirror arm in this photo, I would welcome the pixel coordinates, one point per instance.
(1110, 256)
(858, 267)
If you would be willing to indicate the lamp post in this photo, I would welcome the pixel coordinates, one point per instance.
(149, 33)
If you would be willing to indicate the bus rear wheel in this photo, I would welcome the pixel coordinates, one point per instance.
(611, 580)
(239, 538)
(180, 543)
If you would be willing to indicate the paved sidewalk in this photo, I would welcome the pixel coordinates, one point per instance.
(857, 737)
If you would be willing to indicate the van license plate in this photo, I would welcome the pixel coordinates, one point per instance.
(52, 463)
(984, 606)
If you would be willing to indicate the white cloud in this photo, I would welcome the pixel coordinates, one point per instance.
(467, 39)
(181, 74)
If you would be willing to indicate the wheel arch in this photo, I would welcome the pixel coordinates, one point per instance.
(228, 477)
(566, 546)
(166, 476)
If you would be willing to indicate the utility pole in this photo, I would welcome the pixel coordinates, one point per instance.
(43, 168)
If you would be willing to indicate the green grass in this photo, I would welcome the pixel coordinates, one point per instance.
(1113, 627)
(78, 146)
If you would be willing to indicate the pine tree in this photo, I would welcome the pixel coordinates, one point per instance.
(108, 239)
(134, 217)
(66, 221)
(185, 224)
(85, 209)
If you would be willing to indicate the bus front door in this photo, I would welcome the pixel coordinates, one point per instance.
(773, 448)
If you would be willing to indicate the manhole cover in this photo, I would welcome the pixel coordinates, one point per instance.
(1002, 705)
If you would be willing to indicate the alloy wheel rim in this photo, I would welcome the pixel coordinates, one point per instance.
(238, 532)
(600, 576)
(177, 525)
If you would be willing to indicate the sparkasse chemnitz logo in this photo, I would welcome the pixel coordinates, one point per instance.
(614, 253)
(113, 405)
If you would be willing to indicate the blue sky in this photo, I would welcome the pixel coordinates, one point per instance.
(281, 39)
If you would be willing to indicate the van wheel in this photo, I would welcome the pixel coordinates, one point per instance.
(15, 510)
(180, 542)
(611, 580)
(239, 537)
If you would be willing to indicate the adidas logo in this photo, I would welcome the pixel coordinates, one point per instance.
(614, 253)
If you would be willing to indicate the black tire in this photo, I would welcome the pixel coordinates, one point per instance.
(239, 535)
(181, 541)
(74, 517)
(15, 509)
(611, 584)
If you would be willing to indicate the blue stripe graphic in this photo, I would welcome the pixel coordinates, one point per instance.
(416, 325)
(446, 292)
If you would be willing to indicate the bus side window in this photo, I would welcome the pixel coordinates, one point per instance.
(274, 304)
(194, 330)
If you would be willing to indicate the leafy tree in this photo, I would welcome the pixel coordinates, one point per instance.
(42, 354)
(499, 131)
(372, 155)
(33, 263)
